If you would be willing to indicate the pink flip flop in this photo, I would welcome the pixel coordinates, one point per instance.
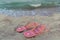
(26, 27)
(33, 33)
(20, 29)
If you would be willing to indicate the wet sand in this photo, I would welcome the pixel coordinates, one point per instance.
(8, 25)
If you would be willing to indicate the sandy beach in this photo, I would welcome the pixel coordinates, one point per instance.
(8, 25)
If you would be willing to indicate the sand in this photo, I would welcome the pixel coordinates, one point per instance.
(8, 25)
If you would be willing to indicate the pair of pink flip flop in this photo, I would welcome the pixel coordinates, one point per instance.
(32, 33)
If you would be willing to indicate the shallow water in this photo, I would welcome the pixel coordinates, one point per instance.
(28, 12)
